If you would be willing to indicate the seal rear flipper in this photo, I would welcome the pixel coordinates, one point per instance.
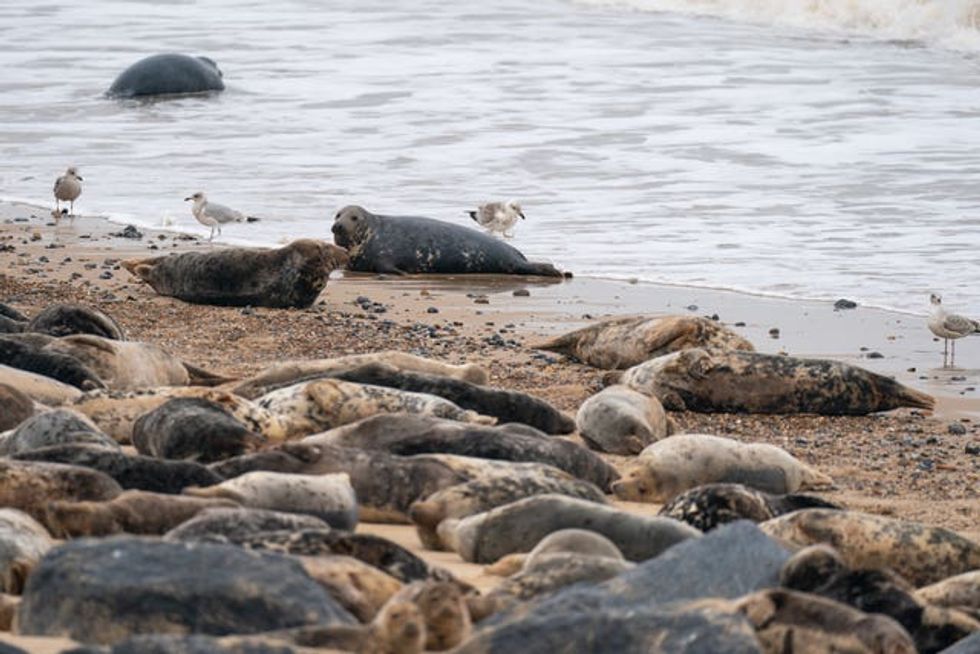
(201, 377)
(894, 395)
(139, 267)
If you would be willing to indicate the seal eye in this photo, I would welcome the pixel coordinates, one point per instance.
(353, 218)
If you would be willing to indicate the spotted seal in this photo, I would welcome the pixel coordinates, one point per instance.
(236, 524)
(712, 505)
(920, 553)
(749, 382)
(290, 276)
(684, 461)
(193, 428)
(409, 245)
(167, 74)
(620, 420)
(55, 427)
(621, 343)
(329, 497)
(444, 611)
(69, 319)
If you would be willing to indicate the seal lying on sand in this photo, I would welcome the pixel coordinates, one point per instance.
(195, 429)
(69, 319)
(167, 74)
(57, 427)
(407, 245)
(291, 276)
(748, 382)
(961, 591)
(684, 461)
(622, 343)
(40, 388)
(921, 554)
(360, 588)
(31, 486)
(30, 356)
(293, 372)
(620, 420)
(239, 523)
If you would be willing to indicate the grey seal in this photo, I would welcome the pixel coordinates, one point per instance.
(168, 74)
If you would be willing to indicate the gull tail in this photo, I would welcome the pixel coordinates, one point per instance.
(251, 219)
(473, 216)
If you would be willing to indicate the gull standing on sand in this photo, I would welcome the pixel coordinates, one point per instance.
(949, 327)
(498, 216)
(67, 188)
(212, 214)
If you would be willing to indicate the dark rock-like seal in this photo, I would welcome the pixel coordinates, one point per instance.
(407, 435)
(505, 405)
(291, 276)
(58, 366)
(749, 382)
(130, 471)
(15, 407)
(712, 505)
(168, 74)
(57, 427)
(195, 429)
(8, 311)
(31, 486)
(23, 541)
(622, 343)
(519, 526)
(69, 319)
(101, 591)
(9, 326)
(408, 245)
(620, 420)
(240, 523)
(919, 553)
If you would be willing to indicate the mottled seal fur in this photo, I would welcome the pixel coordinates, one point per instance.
(519, 526)
(310, 407)
(130, 471)
(920, 553)
(444, 610)
(131, 365)
(56, 427)
(68, 319)
(23, 541)
(40, 388)
(167, 74)
(131, 512)
(959, 591)
(407, 435)
(749, 382)
(328, 497)
(30, 486)
(236, 524)
(621, 343)
(408, 245)
(620, 420)
(285, 374)
(15, 407)
(684, 461)
(360, 588)
(504, 405)
(195, 429)
(290, 276)
(58, 366)
(711, 505)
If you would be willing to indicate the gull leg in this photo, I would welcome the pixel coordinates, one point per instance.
(952, 358)
(71, 207)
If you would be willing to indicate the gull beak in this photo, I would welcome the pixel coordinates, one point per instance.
(79, 178)
(186, 199)
(521, 214)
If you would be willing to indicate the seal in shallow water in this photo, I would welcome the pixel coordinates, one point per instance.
(408, 245)
(749, 382)
(290, 276)
(167, 74)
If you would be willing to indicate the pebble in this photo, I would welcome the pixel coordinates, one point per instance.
(522, 292)
(875, 355)
(740, 324)
(774, 332)
(481, 299)
(432, 310)
(105, 275)
(692, 307)
(129, 231)
(956, 428)
(973, 448)
(844, 304)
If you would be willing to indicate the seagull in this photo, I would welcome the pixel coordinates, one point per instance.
(949, 326)
(212, 214)
(67, 189)
(498, 216)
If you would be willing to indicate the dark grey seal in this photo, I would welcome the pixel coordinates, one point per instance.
(57, 427)
(168, 74)
(69, 319)
(27, 354)
(193, 428)
(408, 245)
(290, 276)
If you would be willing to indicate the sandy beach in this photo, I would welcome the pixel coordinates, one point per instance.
(903, 464)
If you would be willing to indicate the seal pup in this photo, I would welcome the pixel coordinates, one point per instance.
(30, 486)
(69, 319)
(749, 382)
(212, 214)
(404, 245)
(55, 427)
(167, 74)
(288, 277)
(67, 188)
(504, 405)
(238, 523)
(712, 505)
(40, 388)
(194, 429)
(619, 420)
(519, 526)
(498, 216)
(131, 512)
(310, 407)
(29, 356)
(407, 435)
(328, 497)
(684, 461)
(131, 365)
(15, 407)
(949, 326)
(920, 553)
(293, 372)
(620, 343)
(23, 541)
